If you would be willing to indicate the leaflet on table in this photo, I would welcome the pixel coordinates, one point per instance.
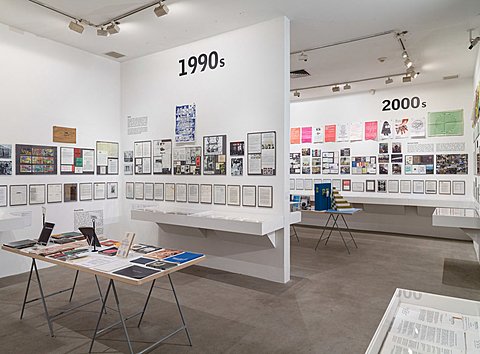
(396, 344)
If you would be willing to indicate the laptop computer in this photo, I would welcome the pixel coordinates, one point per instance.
(42, 240)
(90, 235)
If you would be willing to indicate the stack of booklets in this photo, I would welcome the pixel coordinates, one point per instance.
(67, 237)
(21, 244)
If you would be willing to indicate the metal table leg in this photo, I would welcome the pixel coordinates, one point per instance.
(26, 290)
(341, 235)
(331, 229)
(73, 287)
(323, 231)
(43, 298)
(180, 310)
(104, 302)
(348, 229)
(146, 303)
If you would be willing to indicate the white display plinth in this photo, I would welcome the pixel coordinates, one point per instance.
(430, 301)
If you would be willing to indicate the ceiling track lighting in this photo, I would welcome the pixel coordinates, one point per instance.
(411, 73)
(473, 41)
(296, 93)
(101, 31)
(347, 87)
(336, 88)
(389, 80)
(408, 63)
(161, 10)
(406, 79)
(303, 57)
(76, 26)
(113, 28)
(404, 54)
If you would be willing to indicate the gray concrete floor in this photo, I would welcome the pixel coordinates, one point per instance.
(332, 305)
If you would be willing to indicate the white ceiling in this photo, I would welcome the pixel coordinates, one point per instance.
(437, 38)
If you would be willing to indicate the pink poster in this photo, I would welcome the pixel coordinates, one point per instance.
(306, 135)
(330, 133)
(371, 130)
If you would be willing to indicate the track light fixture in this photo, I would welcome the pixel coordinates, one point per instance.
(473, 41)
(336, 88)
(408, 63)
(113, 28)
(388, 80)
(347, 87)
(161, 10)
(406, 78)
(296, 93)
(76, 26)
(404, 54)
(303, 57)
(101, 31)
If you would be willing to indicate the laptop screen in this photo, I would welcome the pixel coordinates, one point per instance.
(46, 232)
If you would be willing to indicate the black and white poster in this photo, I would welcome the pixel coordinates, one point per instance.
(261, 150)
(162, 157)
(214, 150)
(236, 166)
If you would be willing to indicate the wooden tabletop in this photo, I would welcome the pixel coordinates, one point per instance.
(108, 275)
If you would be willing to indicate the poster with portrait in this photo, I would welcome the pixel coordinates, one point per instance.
(386, 130)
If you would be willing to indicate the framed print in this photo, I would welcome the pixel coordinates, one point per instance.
(237, 148)
(265, 196)
(393, 186)
(70, 192)
(219, 194)
(181, 192)
(233, 195)
(405, 186)
(162, 157)
(337, 184)
(149, 191)
(35, 160)
(139, 191)
(249, 196)
(158, 191)
(3, 196)
(107, 158)
(36, 194)
(112, 190)
(261, 153)
(99, 190)
(187, 160)
(54, 193)
(346, 185)
(170, 192)
(193, 193)
(382, 186)
(86, 191)
(142, 151)
(128, 162)
(418, 187)
(308, 184)
(215, 151)
(206, 193)
(129, 190)
(18, 195)
(292, 184)
(458, 187)
(370, 185)
(299, 184)
(430, 187)
(358, 186)
(76, 161)
(445, 187)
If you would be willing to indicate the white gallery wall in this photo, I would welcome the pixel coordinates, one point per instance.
(249, 94)
(45, 83)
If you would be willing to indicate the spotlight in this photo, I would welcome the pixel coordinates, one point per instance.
(406, 79)
(404, 54)
(347, 87)
(414, 75)
(388, 81)
(76, 26)
(102, 32)
(296, 93)
(113, 28)
(161, 10)
(473, 42)
(410, 71)
(408, 63)
(336, 88)
(303, 57)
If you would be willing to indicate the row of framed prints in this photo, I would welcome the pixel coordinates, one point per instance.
(385, 186)
(33, 194)
(219, 194)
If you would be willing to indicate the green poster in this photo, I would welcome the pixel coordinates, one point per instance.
(448, 123)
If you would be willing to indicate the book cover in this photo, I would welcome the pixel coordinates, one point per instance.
(125, 245)
(112, 251)
(163, 253)
(136, 272)
(183, 257)
(161, 265)
(142, 260)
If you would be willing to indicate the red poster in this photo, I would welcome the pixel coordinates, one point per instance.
(371, 130)
(294, 135)
(306, 135)
(330, 133)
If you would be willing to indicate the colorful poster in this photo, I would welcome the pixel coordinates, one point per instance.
(343, 132)
(330, 133)
(386, 130)
(294, 135)
(318, 135)
(401, 128)
(371, 130)
(356, 131)
(417, 127)
(449, 123)
(306, 135)
(185, 122)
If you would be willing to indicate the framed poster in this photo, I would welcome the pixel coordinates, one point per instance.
(162, 157)
(445, 187)
(185, 123)
(85, 191)
(347, 185)
(458, 187)
(249, 196)
(187, 160)
(149, 191)
(308, 184)
(128, 162)
(393, 186)
(382, 186)
(219, 194)
(233, 195)
(5, 151)
(3, 196)
(236, 166)
(107, 158)
(237, 148)
(36, 194)
(299, 184)
(358, 186)
(370, 185)
(206, 193)
(99, 190)
(142, 153)
(336, 183)
(419, 164)
(170, 192)
(265, 196)
(35, 160)
(292, 184)
(158, 191)
(261, 153)
(70, 192)
(54, 193)
(405, 186)
(6, 168)
(112, 190)
(430, 187)
(181, 192)
(129, 190)
(295, 163)
(77, 161)
(215, 155)
(193, 193)
(364, 165)
(452, 164)
(418, 187)
(139, 191)
(330, 162)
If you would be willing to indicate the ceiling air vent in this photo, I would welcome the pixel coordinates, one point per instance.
(298, 74)
(451, 77)
(115, 55)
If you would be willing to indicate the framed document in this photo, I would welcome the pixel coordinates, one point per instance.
(346, 185)
(36, 194)
(308, 184)
(158, 191)
(418, 187)
(292, 184)
(54, 193)
(139, 191)
(458, 187)
(112, 190)
(393, 186)
(445, 187)
(337, 184)
(18, 195)
(358, 186)
(193, 193)
(107, 158)
(430, 187)
(70, 192)
(370, 185)
(233, 195)
(219, 194)
(86, 191)
(206, 193)
(299, 184)
(3, 196)
(181, 192)
(405, 186)
(249, 196)
(129, 190)
(265, 196)
(170, 192)
(99, 190)
(149, 191)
